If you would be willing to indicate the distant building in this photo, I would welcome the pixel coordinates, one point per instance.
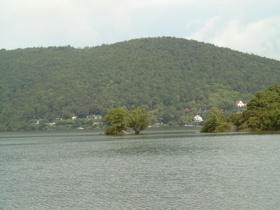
(74, 117)
(97, 123)
(222, 111)
(198, 118)
(53, 123)
(96, 117)
(202, 110)
(240, 104)
(186, 110)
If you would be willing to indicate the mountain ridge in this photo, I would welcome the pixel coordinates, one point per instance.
(164, 75)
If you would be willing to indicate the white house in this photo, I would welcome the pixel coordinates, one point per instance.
(198, 118)
(96, 117)
(240, 104)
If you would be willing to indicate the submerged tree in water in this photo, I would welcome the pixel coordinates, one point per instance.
(138, 120)
(116, 121)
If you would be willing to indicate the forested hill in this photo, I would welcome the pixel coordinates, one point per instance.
(164, 75)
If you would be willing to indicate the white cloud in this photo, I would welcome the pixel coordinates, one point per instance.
(250, 26)
(203, 28)
(261, 37)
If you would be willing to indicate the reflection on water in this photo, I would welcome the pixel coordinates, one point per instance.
(159, 169)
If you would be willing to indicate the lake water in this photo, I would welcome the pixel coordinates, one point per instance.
(158, 169)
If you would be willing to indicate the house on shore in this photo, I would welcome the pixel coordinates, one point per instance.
(198, 119)
(240, 104)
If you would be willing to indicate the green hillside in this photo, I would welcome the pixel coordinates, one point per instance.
(164, 75)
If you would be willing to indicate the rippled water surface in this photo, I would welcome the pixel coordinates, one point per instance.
(159, 169)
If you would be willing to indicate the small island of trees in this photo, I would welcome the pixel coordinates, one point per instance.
(118, 119)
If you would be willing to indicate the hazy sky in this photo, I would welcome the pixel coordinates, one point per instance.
(251, 26)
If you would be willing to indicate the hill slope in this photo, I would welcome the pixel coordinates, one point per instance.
(162, 74)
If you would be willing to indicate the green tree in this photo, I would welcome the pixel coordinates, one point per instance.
(138, 120)
(116, 121)
(216, 123)
(263, 111)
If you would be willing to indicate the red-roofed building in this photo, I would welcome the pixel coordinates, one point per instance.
(240, 104)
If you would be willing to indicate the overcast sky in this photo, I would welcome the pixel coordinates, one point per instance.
(251, 26)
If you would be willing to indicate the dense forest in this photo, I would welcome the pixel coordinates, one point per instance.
(174, 79)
